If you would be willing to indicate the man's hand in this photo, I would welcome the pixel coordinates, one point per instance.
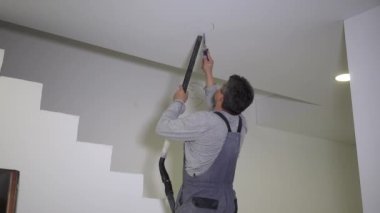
(180, 95)
(207, 66)
(207, 63)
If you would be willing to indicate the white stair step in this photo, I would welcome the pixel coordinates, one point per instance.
(58, 173)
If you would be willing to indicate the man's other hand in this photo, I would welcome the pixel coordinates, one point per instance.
(180, 95)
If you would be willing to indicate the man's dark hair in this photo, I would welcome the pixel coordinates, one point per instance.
(238, 95)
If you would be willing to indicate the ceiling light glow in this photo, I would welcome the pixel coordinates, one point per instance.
(343, 77)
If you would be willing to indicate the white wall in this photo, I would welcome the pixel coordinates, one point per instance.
(119, 100)
(287, 172)
(283, 172)
(1, 57)
(363, 49)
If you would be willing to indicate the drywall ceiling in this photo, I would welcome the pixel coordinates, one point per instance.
(291, 48)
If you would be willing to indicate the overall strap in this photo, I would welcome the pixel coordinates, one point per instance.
(240, 125)
(228, 124)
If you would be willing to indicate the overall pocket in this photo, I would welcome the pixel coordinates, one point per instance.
(205, 203)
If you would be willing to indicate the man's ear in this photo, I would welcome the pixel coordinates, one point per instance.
(221, 97)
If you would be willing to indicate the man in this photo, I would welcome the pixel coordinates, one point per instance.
(212, 141)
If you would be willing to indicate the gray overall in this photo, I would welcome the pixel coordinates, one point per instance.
(213, 190)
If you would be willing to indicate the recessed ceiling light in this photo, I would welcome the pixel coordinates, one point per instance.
(343, 77)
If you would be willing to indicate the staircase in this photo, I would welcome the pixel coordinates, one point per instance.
(59, 174)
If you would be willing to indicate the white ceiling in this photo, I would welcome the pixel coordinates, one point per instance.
(291, 48)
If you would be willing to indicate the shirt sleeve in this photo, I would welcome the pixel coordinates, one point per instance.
(186, 128)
